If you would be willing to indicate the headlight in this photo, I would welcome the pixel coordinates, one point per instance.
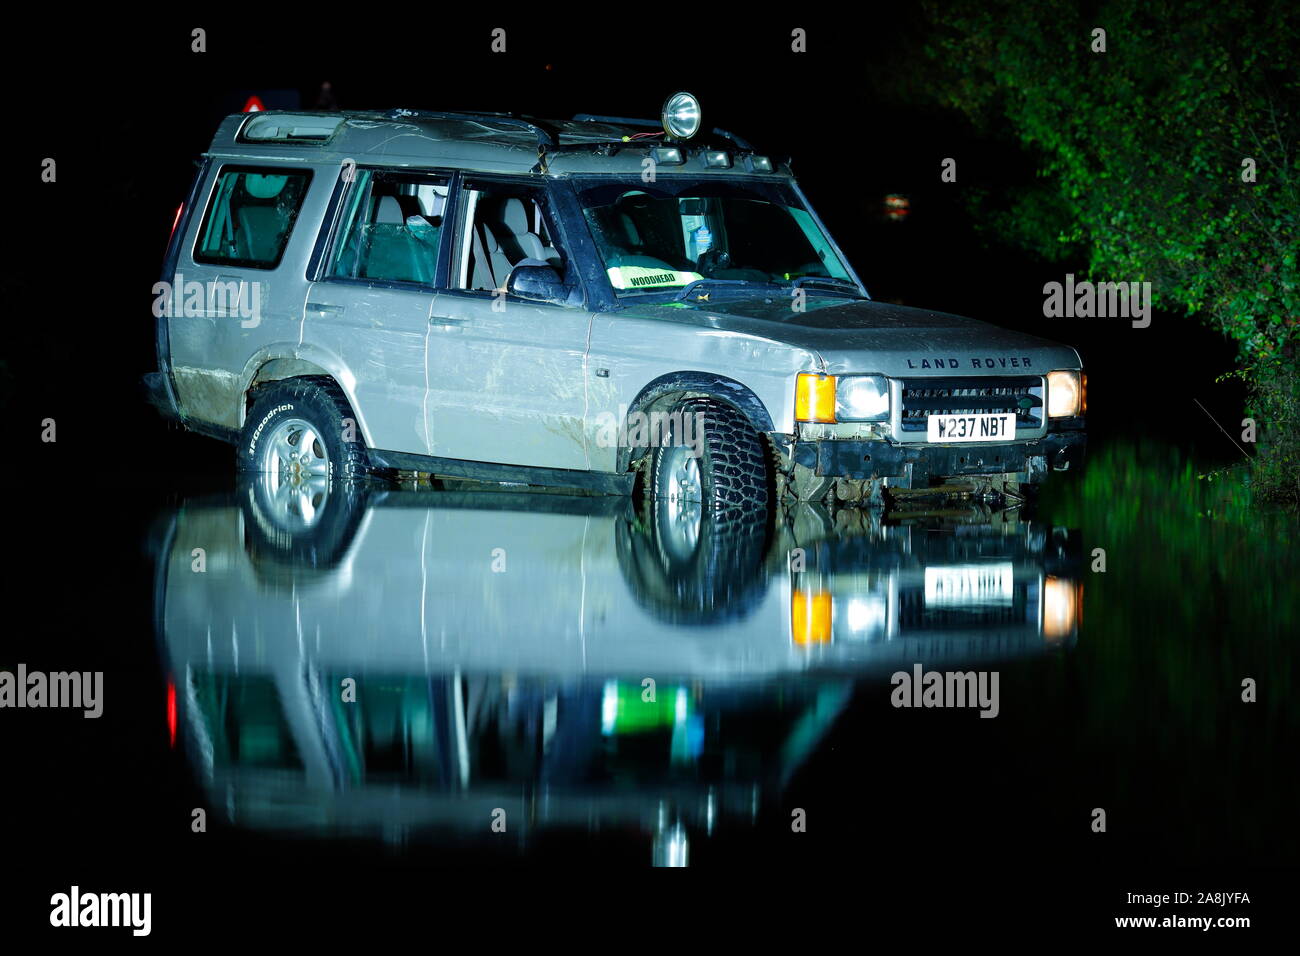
(1064, 394)
(862, 398)
(814, 397)
(681, 116)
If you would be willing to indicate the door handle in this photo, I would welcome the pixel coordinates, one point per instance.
(448, 319)
(324, 307)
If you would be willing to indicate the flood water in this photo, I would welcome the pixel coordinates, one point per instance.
(500, 676)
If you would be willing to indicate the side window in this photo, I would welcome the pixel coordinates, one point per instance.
(391, 227)
(505, 226)
(250, 216)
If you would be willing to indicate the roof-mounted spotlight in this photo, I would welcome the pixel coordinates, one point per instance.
(668, 155)
(681, 116)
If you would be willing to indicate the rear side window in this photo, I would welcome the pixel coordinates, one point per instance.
(250, 217)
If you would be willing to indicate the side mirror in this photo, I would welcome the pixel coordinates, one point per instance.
(537, 283)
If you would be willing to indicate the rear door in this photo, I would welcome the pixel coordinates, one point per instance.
(372, 303)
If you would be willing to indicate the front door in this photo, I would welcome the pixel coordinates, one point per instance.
(506, 375)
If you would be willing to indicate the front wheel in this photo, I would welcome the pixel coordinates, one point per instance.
(710, 461)
(300, 433)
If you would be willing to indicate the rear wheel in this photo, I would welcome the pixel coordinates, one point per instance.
(300, 435)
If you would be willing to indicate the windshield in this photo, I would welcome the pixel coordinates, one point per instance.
(662, 236)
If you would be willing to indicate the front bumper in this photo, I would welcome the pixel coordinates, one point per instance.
(861, 459)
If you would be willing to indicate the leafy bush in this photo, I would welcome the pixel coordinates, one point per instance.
(1170, 158)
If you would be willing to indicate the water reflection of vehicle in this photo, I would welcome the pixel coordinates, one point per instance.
(501, 646)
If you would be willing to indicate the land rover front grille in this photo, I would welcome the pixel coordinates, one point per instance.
(1021, 396)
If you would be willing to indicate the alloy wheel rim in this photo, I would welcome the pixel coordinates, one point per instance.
(684, 505)
(295, 474)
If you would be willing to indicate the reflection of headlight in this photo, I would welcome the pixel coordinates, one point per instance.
(1060, 608)
(866, 615)
(1064, 394)
(862, 398)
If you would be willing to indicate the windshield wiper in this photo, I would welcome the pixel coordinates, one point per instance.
(835, 282)
(689, 289)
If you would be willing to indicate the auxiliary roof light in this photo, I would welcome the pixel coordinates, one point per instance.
(668, 155)
(681, 116)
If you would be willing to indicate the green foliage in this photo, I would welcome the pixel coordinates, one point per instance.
(1275, 405)
(1141, 151)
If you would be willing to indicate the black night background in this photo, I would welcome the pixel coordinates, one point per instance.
(920, 819)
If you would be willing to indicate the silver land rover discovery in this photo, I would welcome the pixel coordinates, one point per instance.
(583, 303)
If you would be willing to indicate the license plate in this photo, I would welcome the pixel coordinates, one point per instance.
(985, 426)
(968, 584)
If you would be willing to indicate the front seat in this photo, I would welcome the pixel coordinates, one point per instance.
(511, 243)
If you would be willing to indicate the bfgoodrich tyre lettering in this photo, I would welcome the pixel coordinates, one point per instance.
(296, 429)
(257, 432)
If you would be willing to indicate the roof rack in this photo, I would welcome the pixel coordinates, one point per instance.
(655, 124)
(546, 138)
